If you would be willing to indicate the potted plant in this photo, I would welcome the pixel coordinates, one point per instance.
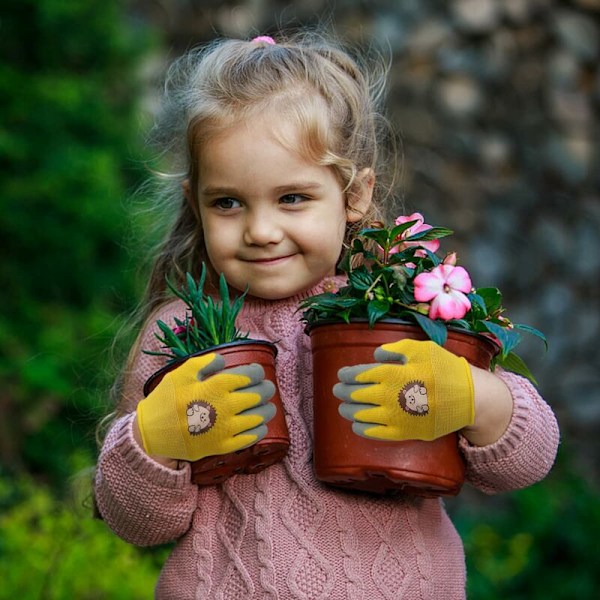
(209, 325)
(397, 287)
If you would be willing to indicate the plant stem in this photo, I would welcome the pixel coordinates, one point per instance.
(372, 286)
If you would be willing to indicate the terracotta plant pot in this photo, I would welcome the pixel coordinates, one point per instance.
(344, 459)
(272, 448)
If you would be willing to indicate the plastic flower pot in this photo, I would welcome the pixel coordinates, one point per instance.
(345, 459)
(266, 452)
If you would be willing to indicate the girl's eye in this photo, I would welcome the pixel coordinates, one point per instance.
(292, 199)
(227, 203)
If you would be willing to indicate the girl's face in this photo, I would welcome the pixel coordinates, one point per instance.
(271, 220)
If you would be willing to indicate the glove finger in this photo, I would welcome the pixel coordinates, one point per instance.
(254, 372)
(351, 374)
(256, 433)
(373, 431)
(242, 440)
(265, 389)
(344, 391)
(383, 355)
(265, 411)
(361, 429)
(349, 410)
(216, 364)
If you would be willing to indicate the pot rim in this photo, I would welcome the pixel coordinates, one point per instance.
(309, 327)
(179, 361)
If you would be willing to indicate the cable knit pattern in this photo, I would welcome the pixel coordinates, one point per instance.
(281, 534)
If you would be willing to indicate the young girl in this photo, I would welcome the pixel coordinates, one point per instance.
(277, 148)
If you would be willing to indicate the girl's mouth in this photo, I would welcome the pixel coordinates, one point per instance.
(270, 261)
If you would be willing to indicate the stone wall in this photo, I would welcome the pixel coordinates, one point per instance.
(496, 105)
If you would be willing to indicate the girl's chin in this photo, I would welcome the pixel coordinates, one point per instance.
(273, 293)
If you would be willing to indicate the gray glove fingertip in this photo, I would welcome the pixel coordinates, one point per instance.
(254, 371)
(360, 428)
(344, 391)
(214, 366)
(382, 355)
(265, 389)
(266, 411)
(259, 431)
(348, 410)
(349, 374)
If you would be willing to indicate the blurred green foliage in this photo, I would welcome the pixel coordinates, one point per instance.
(542, 543)
(52, 549)
(69, 103)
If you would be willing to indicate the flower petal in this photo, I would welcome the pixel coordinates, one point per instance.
(414, 217)
(449, 305)
(458, 279)
(428, 285)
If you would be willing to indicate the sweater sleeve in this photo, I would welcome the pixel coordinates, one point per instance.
(526, 451)
(142, 501)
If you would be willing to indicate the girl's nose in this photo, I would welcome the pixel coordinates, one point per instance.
(262, 229)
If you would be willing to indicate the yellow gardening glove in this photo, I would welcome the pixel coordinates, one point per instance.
(419, 392)
(197, 411)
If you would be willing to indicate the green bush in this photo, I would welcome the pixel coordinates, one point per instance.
(69, 98)
(56, 550)
(542, 543)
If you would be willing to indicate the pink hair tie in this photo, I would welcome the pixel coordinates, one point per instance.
(264, 38)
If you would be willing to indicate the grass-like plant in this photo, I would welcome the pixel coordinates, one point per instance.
(208, 321)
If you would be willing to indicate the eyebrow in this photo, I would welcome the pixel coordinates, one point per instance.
(288, 187)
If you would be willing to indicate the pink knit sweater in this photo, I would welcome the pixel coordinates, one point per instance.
(281, 534)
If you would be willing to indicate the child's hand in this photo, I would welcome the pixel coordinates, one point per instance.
(425, 393)
(200, 410)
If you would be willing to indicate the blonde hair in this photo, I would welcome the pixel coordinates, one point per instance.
(311, 80)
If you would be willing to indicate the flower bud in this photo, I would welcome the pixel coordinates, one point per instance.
(180, 330)
(379, 293)
(421, 307)
(450, 259)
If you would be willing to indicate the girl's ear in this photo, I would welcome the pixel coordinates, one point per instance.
(186, 188)
(360, 195)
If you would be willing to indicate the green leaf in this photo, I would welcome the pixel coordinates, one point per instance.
(478, 305)
(435, 233)
(170, 338)
(513, 362)
(360, 279)
(492, 298)
(344, 264)
(357, 246)
(226, 326)
(381, 236)
(398, 230)
(435, 330)
(508, 338)
(532, 331)
(376, 309)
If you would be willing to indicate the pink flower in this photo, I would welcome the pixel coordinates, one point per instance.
(445, 286)
(418, 227)
(329, 285)
(180, 330)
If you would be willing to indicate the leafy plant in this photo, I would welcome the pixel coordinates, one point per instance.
(399, 275)
(208, 322)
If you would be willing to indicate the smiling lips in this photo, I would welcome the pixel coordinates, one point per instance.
(269, 261)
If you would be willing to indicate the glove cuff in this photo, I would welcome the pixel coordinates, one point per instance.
(459, 407)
